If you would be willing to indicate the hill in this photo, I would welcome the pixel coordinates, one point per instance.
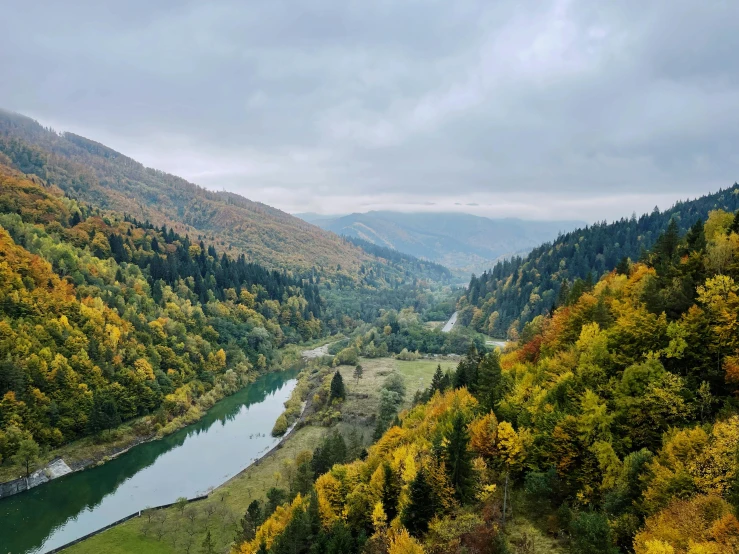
(517, 290)
(94, 173)
(612, 425)
(104, 319)
(458, 241)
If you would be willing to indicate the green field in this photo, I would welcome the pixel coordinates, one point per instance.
(170, 531)
(219, 514)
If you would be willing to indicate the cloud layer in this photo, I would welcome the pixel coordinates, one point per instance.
(546, 109)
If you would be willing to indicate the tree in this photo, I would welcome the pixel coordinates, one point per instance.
(591, 533)
(181, 504)
(358, 371)
(421, 507)
(338, 391)
(104, 413)
(459, 459)
(490, 380)
(437, 380)
(390, 492)
(27, 454)
(208, 547)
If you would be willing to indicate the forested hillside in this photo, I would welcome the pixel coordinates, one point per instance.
(104, 318)
(459, 241)
(614, 424)
(517, 290)
(92, 172)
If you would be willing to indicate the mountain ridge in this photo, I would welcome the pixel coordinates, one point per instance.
(95, 173)
(457, 240)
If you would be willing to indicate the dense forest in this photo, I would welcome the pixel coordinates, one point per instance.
(105, 318)
(518, 289)
(411, 264)
(614, 422)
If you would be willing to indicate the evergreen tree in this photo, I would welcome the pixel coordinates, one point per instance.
(338, 392)
(390, 492)
(459, 459)
(421, 506)
(563, 297)
(623, 267)
(734, 227)
(436, 380)
(490, 375)
(208, 547)
(104, 413)
(340, 539)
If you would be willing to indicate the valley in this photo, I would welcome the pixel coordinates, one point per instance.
(317, 394)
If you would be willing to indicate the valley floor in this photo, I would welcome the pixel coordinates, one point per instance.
(174, 531)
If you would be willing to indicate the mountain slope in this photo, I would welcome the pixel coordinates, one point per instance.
(103, 319)
(458, 241)
(515, 291)
(94, 173)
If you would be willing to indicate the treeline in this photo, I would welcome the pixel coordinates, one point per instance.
(93, 173)
(518, 289)
(615, 420)
(394, 332)
(104, 318)
(413, 266)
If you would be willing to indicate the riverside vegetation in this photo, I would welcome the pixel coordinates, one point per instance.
(131, 300)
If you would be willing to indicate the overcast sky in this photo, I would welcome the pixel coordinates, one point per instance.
(552, 109)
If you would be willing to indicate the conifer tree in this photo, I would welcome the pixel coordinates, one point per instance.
(490, 375)
(458, 458)
(338, 391)
(208, 547)
(390, 492)
(436, 380)
(421, 506)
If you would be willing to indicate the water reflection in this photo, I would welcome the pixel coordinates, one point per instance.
(185, 463)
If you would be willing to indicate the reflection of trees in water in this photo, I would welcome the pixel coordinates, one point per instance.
(30, 517)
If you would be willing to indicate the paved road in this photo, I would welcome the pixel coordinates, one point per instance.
(450, 324)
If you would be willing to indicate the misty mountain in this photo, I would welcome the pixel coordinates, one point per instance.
(458, 241)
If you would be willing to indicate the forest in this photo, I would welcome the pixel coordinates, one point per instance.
(613, 422)
(518, 289)
(105, 318)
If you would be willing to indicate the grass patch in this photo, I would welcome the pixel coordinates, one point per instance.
(219, 514)
(171, 531)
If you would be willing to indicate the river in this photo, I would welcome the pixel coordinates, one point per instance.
(233, 433)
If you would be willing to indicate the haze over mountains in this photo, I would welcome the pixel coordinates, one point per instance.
(459, 241)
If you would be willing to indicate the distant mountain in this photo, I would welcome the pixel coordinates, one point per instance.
(458, 241)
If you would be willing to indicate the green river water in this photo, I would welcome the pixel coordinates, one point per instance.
(234, 433)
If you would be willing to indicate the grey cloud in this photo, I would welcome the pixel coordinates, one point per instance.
(511, 106)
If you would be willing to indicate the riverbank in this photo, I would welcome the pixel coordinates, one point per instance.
(231, 499)
(92, 451)
(188, 463)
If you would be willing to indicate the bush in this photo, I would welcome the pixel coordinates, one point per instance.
(408, 356)
(591, 533)
(280, 427)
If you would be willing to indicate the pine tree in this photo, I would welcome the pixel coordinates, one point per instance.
(390, 492)
(338, 392)
(436, 380)
(358, 371)
(490, 388)
(208, 547)
(623, 267)
(458, 458)
(421, 507)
